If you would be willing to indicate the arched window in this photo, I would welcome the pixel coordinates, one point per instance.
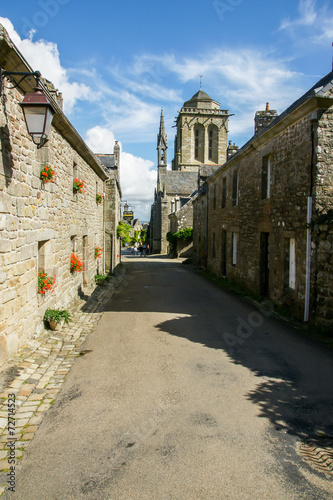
(199, 140)
(213, 136)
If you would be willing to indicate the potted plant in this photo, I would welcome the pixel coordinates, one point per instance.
(76, 264)
(56, 318)
(99, 198)
(100, 279)
(45, 282)
(78, 186)
(47, 174)
(98, 252)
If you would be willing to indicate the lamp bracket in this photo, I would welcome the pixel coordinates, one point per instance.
(3, 74)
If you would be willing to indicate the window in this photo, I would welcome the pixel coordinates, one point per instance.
(235, 189)
(224, 192)
(214, 247)
(44, 255)
(75, 176)
(199, 139)
(214, 200)
(85, 258)
(266, 178)
(73, 244)
(210, 147)
(213, 139)
(224, 252)
(234, 249)
(292, 263)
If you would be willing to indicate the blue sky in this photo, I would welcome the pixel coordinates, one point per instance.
(118, 63)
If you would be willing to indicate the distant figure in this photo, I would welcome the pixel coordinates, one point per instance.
(140, 250)
(148, 249)
(144, 250)
(135, 249)
(132, 250)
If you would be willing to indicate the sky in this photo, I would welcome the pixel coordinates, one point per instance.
(119, 63)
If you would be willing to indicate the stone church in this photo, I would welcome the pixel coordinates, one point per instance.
(200, 147)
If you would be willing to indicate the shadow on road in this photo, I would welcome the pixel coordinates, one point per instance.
(295, 374)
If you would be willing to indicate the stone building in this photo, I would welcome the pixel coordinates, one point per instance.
(43, 224)
(264, 219)
(200, 146)
(112, 207)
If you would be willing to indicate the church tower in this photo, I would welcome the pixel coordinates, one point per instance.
(202, 134)
(162, 145)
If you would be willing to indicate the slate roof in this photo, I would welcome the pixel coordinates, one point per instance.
(208, 170)
(107, 160)
(198, 97)
(179, 182)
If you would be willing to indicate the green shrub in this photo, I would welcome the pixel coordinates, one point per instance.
(58, 315)
(100, 278)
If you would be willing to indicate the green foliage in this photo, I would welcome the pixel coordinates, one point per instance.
(100, 278)
(58, 315)
(123, 231)
(143, 235)
(183, 234)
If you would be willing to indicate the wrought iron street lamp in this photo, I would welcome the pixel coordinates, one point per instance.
(37, 110)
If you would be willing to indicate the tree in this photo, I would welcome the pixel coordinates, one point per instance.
(123, 232)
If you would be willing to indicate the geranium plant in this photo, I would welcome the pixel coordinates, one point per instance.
(45, 282)
(78, 186)
(47, 174)
(98, 252)
(76, 264)
(99, 198)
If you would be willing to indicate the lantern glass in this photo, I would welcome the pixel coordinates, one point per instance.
(38, 115)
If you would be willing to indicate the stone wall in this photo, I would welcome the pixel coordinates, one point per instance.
(179, 220)
(199, 252)
(184, 159)
(258, 236)
(323, 275)
(112, 216)
(41, 225)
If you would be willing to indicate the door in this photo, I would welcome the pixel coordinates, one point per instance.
(264, 263)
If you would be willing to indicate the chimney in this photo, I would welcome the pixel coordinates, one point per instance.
(231, 150)
(263, 119)
(60, 100)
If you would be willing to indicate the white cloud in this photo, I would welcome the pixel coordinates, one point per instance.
(137, 176)
(44, 56)
(242, 81)
(307, 15)
(100, 140)
(311, 17)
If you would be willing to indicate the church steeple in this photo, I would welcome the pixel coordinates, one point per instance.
(162, 144)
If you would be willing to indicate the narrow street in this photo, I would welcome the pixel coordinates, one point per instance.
(185, 392)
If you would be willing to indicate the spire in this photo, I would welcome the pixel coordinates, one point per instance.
(161, 133)
(162, 144)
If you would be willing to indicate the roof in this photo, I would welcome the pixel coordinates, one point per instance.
(200, 100)
(107, 160)
(319, 90)
(179, 182)
(208, 170)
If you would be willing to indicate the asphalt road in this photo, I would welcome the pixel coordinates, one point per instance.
(188, 393)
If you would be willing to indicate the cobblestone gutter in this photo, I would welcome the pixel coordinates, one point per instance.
(34, 377)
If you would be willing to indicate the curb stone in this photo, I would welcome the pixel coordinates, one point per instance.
(40, 369)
